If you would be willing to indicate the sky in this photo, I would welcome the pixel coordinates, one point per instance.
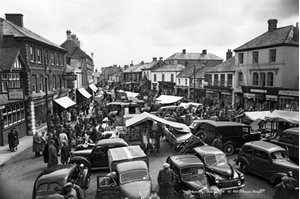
(124, 31)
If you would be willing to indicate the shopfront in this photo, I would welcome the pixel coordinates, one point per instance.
(182, 91)
(288, 100)
(166, 88)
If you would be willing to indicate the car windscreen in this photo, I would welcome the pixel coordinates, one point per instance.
(195, 173)
(215, 160)
(48, 188)
(136, 175)
(278, 155)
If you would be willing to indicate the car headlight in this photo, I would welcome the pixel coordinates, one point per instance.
(239, 183)
(217, 181)
(242, 176)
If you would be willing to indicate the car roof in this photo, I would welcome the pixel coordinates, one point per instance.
(112, 141)
(220, 123)
(57, 173)
(185, 160)
(294, 131)
(207, 150)
(130, 166)
(265, 146)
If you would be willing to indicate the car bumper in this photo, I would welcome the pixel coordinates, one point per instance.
(231, 188)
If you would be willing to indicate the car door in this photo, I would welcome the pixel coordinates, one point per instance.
(105, 191)
(287, 141)
(261, 164)
(100, 158)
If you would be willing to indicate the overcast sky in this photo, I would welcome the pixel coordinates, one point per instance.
(121, 31)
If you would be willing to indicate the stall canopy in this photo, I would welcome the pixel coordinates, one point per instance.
(277, 116)
(93, 87)
(168, 99)
(84, 93)
(186, 105)
(148, 116)
(65, 102)
(131, 95)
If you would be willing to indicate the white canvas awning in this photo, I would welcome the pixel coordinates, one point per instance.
(168, 99)
(65, 102)
(84, 93)
(276, 115)
(93, 87)
(131, 95)
(186, 105)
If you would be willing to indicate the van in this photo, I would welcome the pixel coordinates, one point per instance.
(234, 134)
(125, 154)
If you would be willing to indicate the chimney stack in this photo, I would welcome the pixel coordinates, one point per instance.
(131, 64)
(15, 18)
(204, 52)
(154, 58)
(142, 62)
(92, 55)
(160, 58)
(183, 51)
(228, 54)
(272, 24)
(296, 33)
(125, 67)
(68, 35)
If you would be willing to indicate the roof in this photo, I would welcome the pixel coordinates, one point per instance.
(7, 58)
(134, 68)
(266, 146)
(57, 173)
(278, 36)
(10, 28)
(150, 65)
(74, 50)
(170, 68)
(207, 150)
(220, 123)
(112, 141)
(193, 56)
(201, 72)
(294, 131)
(130, 166)
(189, 70)
(184, 160)
(226, 66)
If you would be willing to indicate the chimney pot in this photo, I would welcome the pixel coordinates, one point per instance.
(228, 54)
(204, 52)
(154, 58)
(272, 24)
(184, 51)
(15, 18)
(68, 34)
(142, 62)
(160, 58)
(92, 55)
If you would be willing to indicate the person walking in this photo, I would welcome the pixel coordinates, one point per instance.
(166, 182)
(44, 140)
(52, 154)
(11, 140)
(16, 139)
(65, 152)
(37, 144)
(285, 190)
(217, 142)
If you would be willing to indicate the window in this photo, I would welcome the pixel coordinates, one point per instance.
(154, 77)
(272, 54)
(255, 57)
(46, 57)
(179, 81)
(172, 77)
(241, 58)
(39, 56)
(58, 59)
(32, 54)
(17, 63)
(255, 79)
(270, 79)
(54, 81)
(163, 77)
(263, 79)
(186, 82)
(229, 79)
(241, 79)
(260, 154)
(208, 78)
(13, 114)
(216, 79)
(41, 82)
(222, 79)
(52, 58)
(33, 82)
(4, 83)
(58, 82)
(62, 60)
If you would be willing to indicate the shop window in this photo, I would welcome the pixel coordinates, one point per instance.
(255, 79)
(270, 79)
(255, 57)
(241, 58)
(13, 114)
(262, 79)
(272, 55)
(229, 79)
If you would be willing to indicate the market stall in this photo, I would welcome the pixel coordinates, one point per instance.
(168, 99)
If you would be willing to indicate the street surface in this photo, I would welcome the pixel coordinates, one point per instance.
(18, 176)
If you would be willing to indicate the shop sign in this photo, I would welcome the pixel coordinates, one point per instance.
(258, 91)
(69, 77)
(15, 93)
(288, 93)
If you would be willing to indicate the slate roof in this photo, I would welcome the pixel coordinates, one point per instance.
(226, 66)
(193, 56)
(150, 65)
(170, 68)
(73, 50)
(279, 36)
(7, 58)
(201, 73)
(117, 74)
(10, 28)
(189, 71)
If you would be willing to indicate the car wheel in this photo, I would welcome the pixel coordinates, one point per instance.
(229, 149)
(244, 167)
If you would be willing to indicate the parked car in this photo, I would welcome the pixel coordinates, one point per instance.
(133, 181)
(190, 175)
(218, 168)
(234, 134)
(162, 110)
(52, 180)
(267, 160)
(175, 136)
(289, 139)
(97, 156)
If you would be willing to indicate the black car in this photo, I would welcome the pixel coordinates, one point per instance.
(97, 156)
(52, 180)
(191, 177)
(218, 169)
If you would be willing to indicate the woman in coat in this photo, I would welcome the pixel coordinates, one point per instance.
(11, 140)
(37, 144)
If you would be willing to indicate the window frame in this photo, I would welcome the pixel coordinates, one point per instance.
(241, 58)
(255, 57)
(154, 77)
(270, 79)
(39, 56)
(263, 79)
(229, 80)
(255, 81)
(32, 54)
(272, 55)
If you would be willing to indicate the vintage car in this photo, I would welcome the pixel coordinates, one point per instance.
(52, 180)
(234, 134)
(267, 160)
(176, 136)
(132, 181)
(218, 169)
(97, 156)
(190, 175)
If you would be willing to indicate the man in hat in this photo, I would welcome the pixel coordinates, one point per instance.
(285, 189)
(70, 191)
(65, 152)
(166, 182)
(52, 154)
(218, 142)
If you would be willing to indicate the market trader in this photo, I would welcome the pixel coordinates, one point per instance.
(166, 182)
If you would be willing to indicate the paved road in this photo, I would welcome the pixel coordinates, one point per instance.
(18, 176)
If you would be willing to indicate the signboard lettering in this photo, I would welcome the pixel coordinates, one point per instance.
(15, 93)
(288, 93)
(258, 91)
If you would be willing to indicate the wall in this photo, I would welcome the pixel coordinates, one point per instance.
(290, 74)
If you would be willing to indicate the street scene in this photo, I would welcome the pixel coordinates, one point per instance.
(156, 100)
